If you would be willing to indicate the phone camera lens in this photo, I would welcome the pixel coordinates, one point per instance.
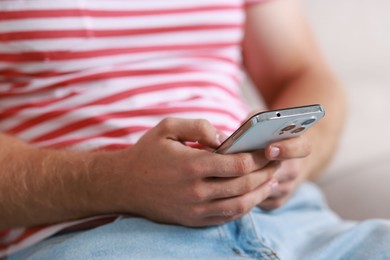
(288, 128)
(308, 121)
(300, 129)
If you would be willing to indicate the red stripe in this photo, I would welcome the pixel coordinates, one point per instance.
(32, 231)
(14, 110)
(59, 56)
(39, 14)
(26, 234)
(126, 114)
(18, 85)
(96, 77)
(219, 57)
(125, 94)
(12, 73)
(3, 235)
(114, 133)
(102, 76)
(60, 34)
(90, 224)
(113, 98)
(119, 146)
(118, 133)
(113, 147)
(67, 55)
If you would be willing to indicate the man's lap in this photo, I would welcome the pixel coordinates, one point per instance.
(303, 228)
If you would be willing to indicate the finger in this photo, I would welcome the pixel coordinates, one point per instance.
(279, 193)
(231, 165)
(190, 130)
(220, 188)
(239, 205)
(285, 178)
(297, 147)
(209, 221)
(272, 203)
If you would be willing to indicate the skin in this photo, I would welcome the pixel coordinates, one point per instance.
(288, 75)
(164, 180)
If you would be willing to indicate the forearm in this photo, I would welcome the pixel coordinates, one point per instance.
(40, 186)
(316, 85)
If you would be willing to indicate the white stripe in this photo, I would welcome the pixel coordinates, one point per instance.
(87, 66)
(210, 67)
(85, 44)
(120, 23)
(131, 139)
(96, 111)
(14, 5)
(150, 121)
(117, 85)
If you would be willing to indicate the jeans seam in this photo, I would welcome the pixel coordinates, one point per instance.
(267, 251)
(228, 242)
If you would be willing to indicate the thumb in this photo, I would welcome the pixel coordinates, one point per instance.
(191, 130)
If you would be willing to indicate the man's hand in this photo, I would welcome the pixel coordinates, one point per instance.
(289, 177)
(165, 180)
(291, 171)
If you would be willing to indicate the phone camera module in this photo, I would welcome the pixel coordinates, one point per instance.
(308, 121)
(288, 128)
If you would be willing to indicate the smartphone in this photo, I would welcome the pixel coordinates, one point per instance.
(269, 126)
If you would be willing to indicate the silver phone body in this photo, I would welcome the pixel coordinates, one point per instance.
(269, 126)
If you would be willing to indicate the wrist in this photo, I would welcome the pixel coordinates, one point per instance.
(106, 178)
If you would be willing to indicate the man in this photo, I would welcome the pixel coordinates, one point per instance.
(102, 102)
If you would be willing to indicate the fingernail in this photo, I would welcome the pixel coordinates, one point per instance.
(217, 139)
(274, 152)
(220, 137)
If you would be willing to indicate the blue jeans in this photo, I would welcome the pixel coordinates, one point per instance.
(303, 229)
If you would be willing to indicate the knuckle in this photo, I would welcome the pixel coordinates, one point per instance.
(194, 169)
(241, 165)
(167, 124)
(202, 124)
(246, 185)
(227, 192)
(196, 212)
(241, 206)
(198, 194)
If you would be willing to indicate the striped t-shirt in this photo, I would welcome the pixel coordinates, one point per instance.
(97, 74)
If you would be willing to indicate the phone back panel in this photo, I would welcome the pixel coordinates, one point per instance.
(270, 126)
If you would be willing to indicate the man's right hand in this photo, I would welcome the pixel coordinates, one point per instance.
(165, 180)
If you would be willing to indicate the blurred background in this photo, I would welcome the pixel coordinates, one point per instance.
(354, 36)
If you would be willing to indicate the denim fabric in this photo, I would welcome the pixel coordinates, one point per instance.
(303, 229)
